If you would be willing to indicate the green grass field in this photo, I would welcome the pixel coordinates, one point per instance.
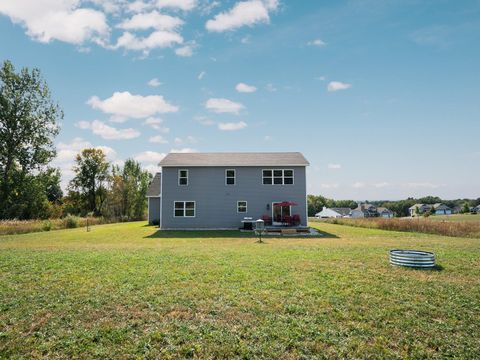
(126, 291)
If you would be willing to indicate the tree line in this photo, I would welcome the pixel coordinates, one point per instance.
(30, 186)
(400, 207)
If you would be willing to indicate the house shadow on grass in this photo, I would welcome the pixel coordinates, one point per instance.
(205, 234)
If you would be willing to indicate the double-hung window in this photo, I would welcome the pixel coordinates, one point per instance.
(277, 177)
(230, 177)
(183, 177)
(184, 209)
(241, 206)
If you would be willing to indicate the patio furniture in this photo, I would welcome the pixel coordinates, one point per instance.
(267, 219)
(295, 220)
(287, 220)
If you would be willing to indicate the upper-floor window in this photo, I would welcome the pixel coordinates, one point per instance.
(277, 177)
(230, 177)
(184, 209)
(183, 177)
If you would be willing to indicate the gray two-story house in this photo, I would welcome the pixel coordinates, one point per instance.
(219, 190)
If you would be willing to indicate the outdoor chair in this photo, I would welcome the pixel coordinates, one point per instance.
(267, 219)
(296, 220)
(287, 220)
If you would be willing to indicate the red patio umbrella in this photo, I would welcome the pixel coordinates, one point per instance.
(286, 203)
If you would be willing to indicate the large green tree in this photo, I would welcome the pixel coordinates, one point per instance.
(28, 125)
(127, 196)
(91, 176)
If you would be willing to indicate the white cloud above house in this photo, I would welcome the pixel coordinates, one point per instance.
(243, 13)
(63, 20)
(151, 20)
(201, 75)
(358, 185)
(149, 157)
(154, 82)
(220, 105)
(185, 5)
(334, 166)
(244, 88)
(158, 139)
(186, 51)
(108, 132)
(124, 105)
(157, 39)
(157, 124)
(317, 43)
(338, 85)
(231, 126)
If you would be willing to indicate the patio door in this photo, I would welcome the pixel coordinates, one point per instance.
(278, 212)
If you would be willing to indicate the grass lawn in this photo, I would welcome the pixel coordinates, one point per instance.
(126, 291)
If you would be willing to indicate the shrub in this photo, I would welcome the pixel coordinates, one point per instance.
(47, 225)
(70, 222)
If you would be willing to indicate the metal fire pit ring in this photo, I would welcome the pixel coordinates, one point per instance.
(412, 258)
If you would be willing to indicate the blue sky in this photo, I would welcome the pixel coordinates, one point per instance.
(382, 97)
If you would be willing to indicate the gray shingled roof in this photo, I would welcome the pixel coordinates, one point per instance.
(155, 187)
(235, 159)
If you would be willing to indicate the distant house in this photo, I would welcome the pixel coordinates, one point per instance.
(370, 210)
(419, 209)
(384, 212)
(475, 210)
(442, 209)
(457, 209)
(333, 213)
(153, 197)
(438, 209)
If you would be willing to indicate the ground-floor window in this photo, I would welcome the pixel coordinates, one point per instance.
(184, 208)
(241, 206)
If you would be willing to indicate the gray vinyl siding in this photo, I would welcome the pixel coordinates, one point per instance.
(216, 202)
(153, 209)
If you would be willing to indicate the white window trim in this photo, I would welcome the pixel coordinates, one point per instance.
(283, 177)
(185, 208)
(246, 207)
(234, 177)
(179, 170)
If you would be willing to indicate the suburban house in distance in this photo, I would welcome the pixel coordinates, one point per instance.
(333, 213)
(362, 211)
(220, 190)
(438, 209)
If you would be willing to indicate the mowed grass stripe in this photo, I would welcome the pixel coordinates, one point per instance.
(124, 291)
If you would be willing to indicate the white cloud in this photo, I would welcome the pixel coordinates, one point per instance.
(338, 85)
(381, 184)
(156, 123)
(184, 5)
(186, 51)
(204, 120)
(153, 20)
(334, 166)
(201, 75)
(243, 13)
(123, 105)
(244, 88)
(188, 140)
(157, 39)
(267, 138)
(245, 40)
(358, 185)
(138, 6)
(149, 157)
(154, 82)
(270, 88)
(108, 132)
(219, 105)
(63, 20)
(158, 139)
(317, 42)
(322, 78)
(232, 126)
(184, 150)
